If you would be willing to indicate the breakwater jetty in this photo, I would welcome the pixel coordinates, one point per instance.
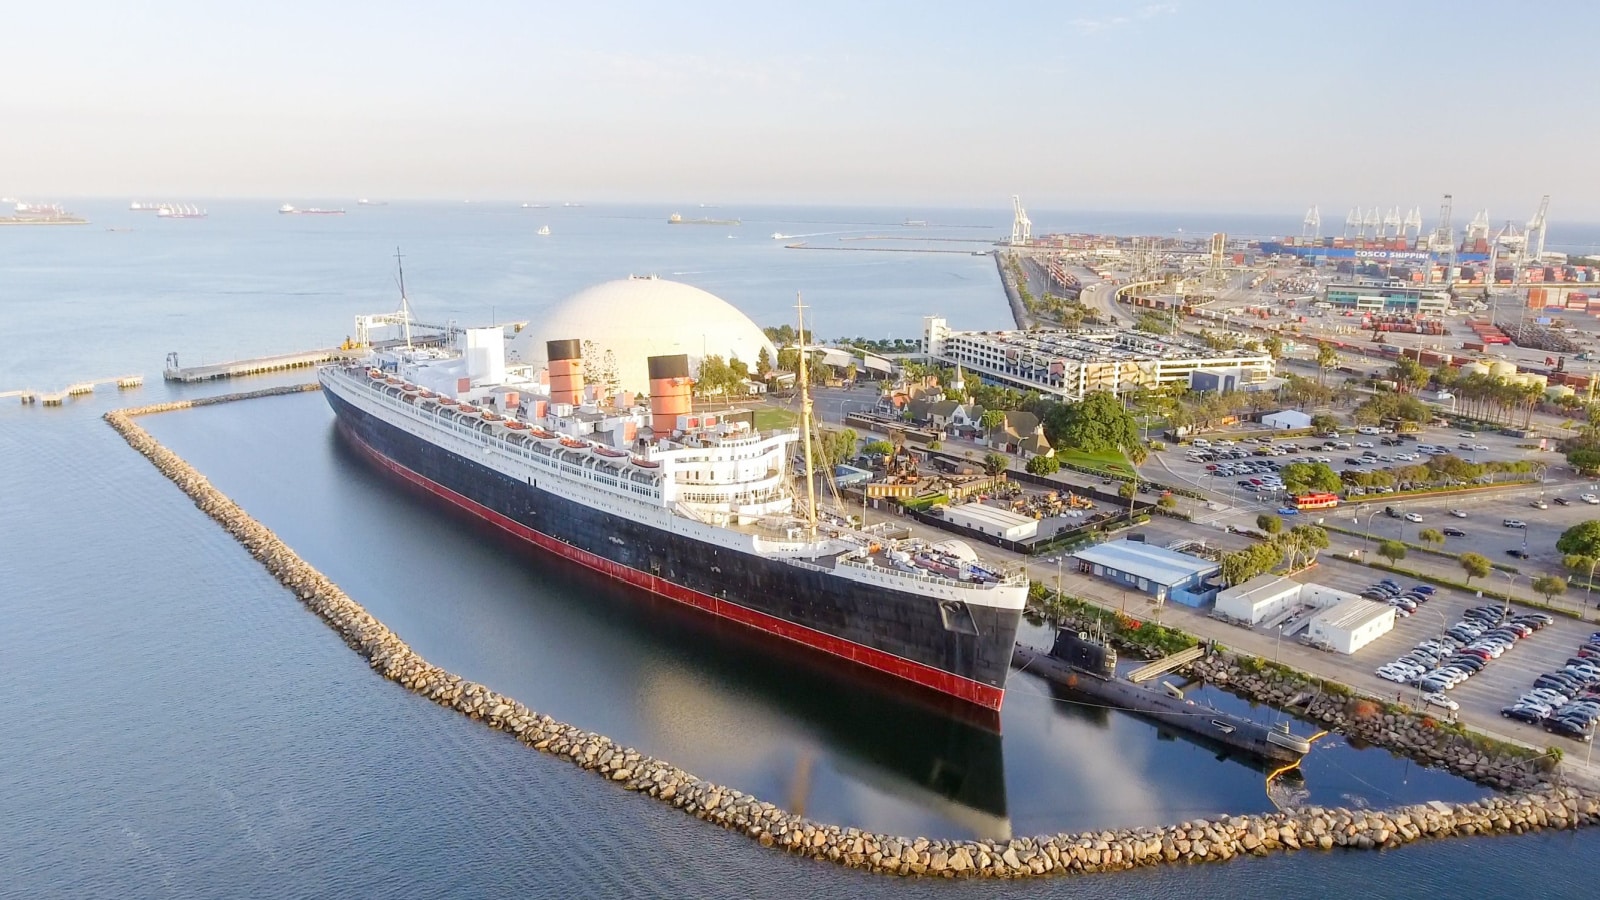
(76, 389)
(1216, 839)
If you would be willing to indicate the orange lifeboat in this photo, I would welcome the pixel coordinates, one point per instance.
(425, 394)
(519, 426)
(608, 451)
(574, 444)
(489, 416)
(409, 386)
(375, 374)
(646, 463)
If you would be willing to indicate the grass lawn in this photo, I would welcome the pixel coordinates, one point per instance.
(769, 418)
(1112, 461)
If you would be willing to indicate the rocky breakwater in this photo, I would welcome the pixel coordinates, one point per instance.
(1422, 737)
(772, 826)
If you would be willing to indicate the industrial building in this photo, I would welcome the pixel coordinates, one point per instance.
(1389, 299)
(1162, 573)
(1351, 625)
(1266, 597)
(1071, 364)
(993, 520)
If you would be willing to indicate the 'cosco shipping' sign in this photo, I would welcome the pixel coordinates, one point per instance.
(1414, 255)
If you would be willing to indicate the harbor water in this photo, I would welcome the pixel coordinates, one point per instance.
(176, 725)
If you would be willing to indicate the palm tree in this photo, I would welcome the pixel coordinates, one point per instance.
(1327, 358)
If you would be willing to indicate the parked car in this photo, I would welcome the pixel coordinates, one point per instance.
(1413, 517)
(1590, 498)
(1562, 501)
(1459, 513)
(1514, 523)
(1539, 504)
(1519, 554)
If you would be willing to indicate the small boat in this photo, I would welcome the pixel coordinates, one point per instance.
(544, 230)
(573, 443)
(646, 463)
(608, 451)
(514, 424)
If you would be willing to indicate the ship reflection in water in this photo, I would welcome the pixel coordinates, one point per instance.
(714, 691)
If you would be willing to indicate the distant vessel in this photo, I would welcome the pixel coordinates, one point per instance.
(676, 219)
(176, 211)
(41, 214)
(914, 223)
(288, 210)
(778, 235)
(140, 206)
(709, 206)
(537, 205)
(544, 230)
(365, 202)
(572, 205)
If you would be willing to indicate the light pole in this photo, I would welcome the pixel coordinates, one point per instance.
(1511, 584)
(1368, 537)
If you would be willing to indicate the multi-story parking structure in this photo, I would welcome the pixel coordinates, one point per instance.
(1072, 364)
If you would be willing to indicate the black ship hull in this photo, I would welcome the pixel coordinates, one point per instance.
(893, 632)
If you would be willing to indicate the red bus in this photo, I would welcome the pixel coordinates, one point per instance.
(1316, 501)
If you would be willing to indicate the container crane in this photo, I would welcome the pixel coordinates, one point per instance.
(1535, 233)
(1311, 227)
(1021, 226)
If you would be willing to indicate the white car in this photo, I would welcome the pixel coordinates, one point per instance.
(1514, 523)
(1479, 448)
(1459, 513)
(1589, 498)
(1329, 459)
(1398, 677)
(1413, 517)
(1365, 445)
(1441, 701)
(1469, 434)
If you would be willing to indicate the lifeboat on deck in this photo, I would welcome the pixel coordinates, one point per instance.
(541, 434)
(408, 386)
(490, 417)
(425, 394)
(608, 451)
(394, 381)
(519, 426)
(376, 374)
(573, 443)
(646, 463)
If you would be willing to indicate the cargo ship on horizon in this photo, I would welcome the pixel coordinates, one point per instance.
(676, 219)
(699, 508)
(289, 210)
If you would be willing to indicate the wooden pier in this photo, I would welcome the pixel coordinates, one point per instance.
(257, 366)
(75, 389)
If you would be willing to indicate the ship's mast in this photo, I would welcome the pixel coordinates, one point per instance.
(405, 305)
(805, 416)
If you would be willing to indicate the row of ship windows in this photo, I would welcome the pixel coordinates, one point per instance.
(568, 468)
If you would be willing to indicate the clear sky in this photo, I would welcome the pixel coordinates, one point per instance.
(1224, 106)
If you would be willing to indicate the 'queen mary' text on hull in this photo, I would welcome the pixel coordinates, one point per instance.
(696, 508)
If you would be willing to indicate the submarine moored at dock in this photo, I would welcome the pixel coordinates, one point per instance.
(1087, 666)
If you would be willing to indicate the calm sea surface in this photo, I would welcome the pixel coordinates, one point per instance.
(174, 724)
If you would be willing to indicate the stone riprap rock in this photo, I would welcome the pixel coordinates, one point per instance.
(771, 826)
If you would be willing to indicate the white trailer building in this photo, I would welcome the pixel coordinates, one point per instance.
(1352, 624)
(993, 520)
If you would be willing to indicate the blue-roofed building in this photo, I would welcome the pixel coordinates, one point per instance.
(1161, 573)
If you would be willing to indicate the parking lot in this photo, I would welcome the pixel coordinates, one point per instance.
(1481, 697)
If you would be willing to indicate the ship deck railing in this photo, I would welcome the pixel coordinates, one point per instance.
(897, 572)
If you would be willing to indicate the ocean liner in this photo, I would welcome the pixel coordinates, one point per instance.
(697, 507)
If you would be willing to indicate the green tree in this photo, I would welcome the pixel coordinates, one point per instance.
(880, 447)
(764, 362)
(1324, 423)
(1269, 523)
(1578, 564)
(1310, 540)
(995, 463)
(1098, 424)
(1582, 539)
(1327, 358)
(1126, 490)
(1431, 536)
(1550, 586)
(992, 419)
(1394, 551)
(1274, 347)
(850, 372)
(1167, 501)
(1298, 478)
(834, 447)
(789, 359)
(1151, 323)
(1043, 465)
(1476, 565)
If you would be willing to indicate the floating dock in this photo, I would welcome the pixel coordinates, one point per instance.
(256, 366)
(77, 388)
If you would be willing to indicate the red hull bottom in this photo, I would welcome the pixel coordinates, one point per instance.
(965, 689)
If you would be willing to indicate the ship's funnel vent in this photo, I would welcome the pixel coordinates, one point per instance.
(566, 371)
(669, 391)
